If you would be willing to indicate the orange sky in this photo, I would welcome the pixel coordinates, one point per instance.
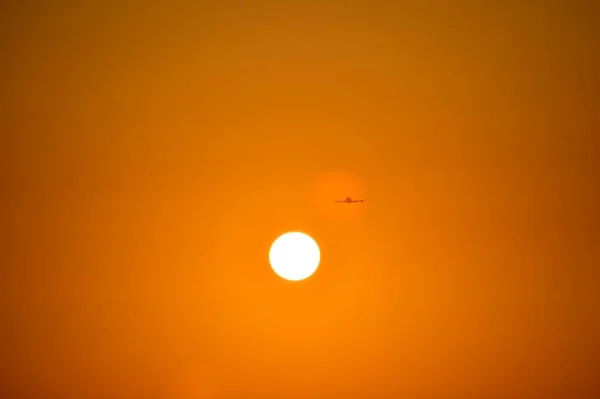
(154, 152)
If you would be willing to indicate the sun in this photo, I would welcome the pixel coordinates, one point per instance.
(294, 256)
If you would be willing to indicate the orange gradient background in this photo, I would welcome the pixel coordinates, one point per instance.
(152, 152)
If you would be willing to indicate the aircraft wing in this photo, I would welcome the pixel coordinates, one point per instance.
(349, 202)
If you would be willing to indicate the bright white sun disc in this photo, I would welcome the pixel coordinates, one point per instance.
(294, 256)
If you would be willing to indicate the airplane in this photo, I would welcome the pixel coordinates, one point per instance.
(349, 200)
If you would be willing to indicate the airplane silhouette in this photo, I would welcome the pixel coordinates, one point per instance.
(349, 200)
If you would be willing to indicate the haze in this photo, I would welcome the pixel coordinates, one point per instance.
(154, 150)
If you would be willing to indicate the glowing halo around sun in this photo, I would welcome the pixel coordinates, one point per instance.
(294, 256)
